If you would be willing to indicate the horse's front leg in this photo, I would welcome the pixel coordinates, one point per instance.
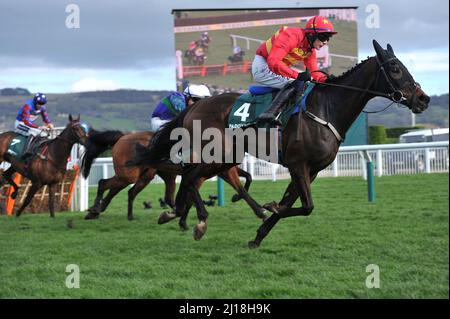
(300, 186)
(33, 189)
(51, 199)
(304, 187)
(181, 201)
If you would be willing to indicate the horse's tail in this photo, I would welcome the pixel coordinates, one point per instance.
(98, 143)
(159, 149)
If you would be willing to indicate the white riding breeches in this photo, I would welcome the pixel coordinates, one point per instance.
(262, 75)
(156, 123)
(21, 127)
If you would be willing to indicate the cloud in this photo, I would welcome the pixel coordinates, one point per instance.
(93, 84)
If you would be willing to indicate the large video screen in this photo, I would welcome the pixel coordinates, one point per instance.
(217, 47)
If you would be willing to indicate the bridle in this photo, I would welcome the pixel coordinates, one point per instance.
(77, 136)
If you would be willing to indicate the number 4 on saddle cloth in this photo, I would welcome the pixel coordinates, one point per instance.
(250, 105)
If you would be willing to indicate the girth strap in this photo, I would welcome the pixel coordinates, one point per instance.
(327, 124)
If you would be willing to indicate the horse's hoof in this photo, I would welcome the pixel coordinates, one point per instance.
(272, 207)
(166, 217)
(91, 216)
(253, 244)
(130, 218)
(199, 230)
(14, 195)
(183, 226)
(92, 210)
(236, 198)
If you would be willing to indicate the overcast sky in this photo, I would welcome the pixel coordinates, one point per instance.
(130, 44)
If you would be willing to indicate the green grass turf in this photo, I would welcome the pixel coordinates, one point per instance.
(325, 255)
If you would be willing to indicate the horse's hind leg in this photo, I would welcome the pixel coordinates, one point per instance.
(143, 181)
(94, 209)
(115, 185)
(33, 189)
(182, 222)
(111, 194)
(248, 182)
(169, 194)
(231, 177)
(188, 185)
(7, 175)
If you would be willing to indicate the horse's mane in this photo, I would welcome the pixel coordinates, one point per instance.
(351, 71)
(98, 143)
(160, 145)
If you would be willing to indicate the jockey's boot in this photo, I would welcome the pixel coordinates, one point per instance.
(29, 149)
(278, 103)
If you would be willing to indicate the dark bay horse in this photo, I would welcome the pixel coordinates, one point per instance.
(47, 168)
(311, 140)
(123, 151)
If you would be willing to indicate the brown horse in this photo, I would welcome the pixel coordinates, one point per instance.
(123, 151)
(48, 167)
(310, 140)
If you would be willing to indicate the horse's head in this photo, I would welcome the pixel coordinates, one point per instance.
(398, 82)
(78, 131)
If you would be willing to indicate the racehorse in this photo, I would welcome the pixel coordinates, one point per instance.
(123, 151)
(47, 167)
(310, 141)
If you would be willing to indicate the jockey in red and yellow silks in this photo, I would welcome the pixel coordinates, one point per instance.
(288, 46)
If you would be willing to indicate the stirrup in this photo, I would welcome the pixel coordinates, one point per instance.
(273, 120)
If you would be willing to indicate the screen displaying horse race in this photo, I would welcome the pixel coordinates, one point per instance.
(217, 47)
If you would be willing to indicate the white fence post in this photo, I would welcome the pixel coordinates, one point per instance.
(251, 166)
(105, 170)
(335, 167)
(427, 161)
(84, 193)
(274, 172)
(379, 163)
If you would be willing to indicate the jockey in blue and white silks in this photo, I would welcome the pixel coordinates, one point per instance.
(174, 103)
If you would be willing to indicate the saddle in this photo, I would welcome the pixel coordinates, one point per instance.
(249, 106)
(25, 147)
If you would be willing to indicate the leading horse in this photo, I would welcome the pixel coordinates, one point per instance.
(48, 167)
(310, 141)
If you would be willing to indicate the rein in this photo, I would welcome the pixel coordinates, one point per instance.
(396, 96)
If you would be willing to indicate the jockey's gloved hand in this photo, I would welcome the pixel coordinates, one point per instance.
(330, 78)
(50, 126)
(304, 76)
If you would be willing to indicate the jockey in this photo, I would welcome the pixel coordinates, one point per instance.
(26, 116)
(288, 46)
(174, 103)
(29, 112)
